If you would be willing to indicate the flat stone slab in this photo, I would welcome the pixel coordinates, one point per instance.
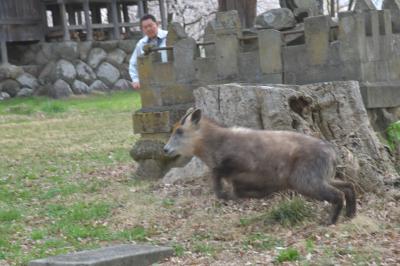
(381, 94)
(120, 255)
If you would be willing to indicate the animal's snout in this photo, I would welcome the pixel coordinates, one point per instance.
(166, 150)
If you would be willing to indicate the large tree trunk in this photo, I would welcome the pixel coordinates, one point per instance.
(333, 111)
(247, 10)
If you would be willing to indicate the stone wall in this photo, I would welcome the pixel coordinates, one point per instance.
(66, 68)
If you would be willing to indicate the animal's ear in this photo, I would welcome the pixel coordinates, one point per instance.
(190, 110)
(196, 116)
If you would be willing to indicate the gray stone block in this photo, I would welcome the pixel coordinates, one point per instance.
(381, 94)
(270, 46)
(364, 5)
(227, 23)
(352, 36)
(394, 7)
(121, 255)
(249, 66)
(317, 31)
(227, 49)
(185, 51)
(386, 32)
(206, 70)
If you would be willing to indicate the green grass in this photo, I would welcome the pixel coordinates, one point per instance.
(9, 215)
(261, 241)
(53, 164)
(204, 248)
(289, 254)
(290, 212)
(393, 134)
(179, 250)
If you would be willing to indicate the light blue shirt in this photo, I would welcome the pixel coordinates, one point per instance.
(160, 41)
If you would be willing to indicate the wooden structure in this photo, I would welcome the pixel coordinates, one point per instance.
(20, 20)
(85, 16)
(27, 20)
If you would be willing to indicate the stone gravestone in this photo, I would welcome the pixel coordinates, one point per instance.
(121, 255)
(364, 5)
(394, 7)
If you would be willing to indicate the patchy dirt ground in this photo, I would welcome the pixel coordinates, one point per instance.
(207, 231)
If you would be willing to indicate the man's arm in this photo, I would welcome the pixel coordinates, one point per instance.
(133, 70)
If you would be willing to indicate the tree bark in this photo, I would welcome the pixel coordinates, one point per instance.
(247, 10)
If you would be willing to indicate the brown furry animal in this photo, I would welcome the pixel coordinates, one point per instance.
(260, 162)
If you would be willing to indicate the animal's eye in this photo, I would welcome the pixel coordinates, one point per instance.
(179, 131)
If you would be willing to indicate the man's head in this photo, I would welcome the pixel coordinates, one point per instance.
(149, 26)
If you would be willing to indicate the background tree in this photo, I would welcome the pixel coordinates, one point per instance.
(247, 10)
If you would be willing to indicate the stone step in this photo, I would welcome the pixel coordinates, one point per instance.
(120, 255)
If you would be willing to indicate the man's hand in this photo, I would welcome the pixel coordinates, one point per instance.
(136, 85)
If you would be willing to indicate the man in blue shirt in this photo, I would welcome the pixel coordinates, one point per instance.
(153, 36)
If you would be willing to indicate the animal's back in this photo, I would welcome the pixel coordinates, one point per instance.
(268, 157)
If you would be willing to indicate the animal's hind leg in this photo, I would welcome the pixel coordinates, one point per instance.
(324, 191)
(350, 195)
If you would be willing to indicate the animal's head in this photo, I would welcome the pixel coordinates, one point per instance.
(184, 134)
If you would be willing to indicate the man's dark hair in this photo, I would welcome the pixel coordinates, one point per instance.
(146, 17)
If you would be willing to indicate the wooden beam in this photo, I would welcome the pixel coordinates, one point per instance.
(4, 54)
(88, 21)
(102, 26)
(114, 17)
(63, 14)
(164, 21)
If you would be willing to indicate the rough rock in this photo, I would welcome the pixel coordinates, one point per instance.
(127, 46)
(108, 46)
(98, 85)
(10, 86)
(117, 56)
(96, 56)
(4, 96)
(61, 89)
(48, 74)
(194, 169)
(25, 92)
(85, 72)
(333, 111)
(108, 73)
(8, 71)
(41, 58)
(67, 50)
(278, 19)
(122, 84)
(65, 70)
(27, 80)
(79, 87)
(84, 48)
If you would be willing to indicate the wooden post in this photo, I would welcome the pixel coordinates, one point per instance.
(114, 17)
(140, 9)
(162, 13)
(45, 25)
(4, 55)
(89, 30)
(125, 12)
(71, 15)
(63, 12)
(79, 13)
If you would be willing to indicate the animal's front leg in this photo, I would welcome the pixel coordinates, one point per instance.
(218, 188)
